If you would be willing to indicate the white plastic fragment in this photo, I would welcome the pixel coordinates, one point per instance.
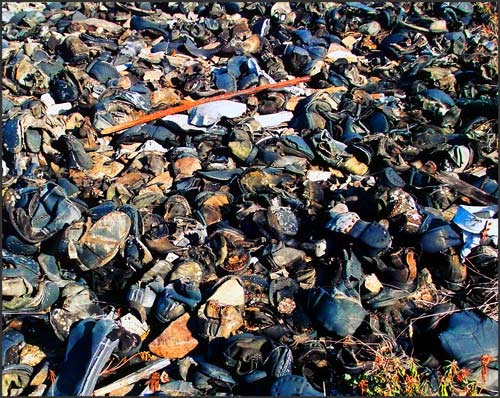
(210, 113)
(121, 68)
(152, 146)
(47, 100)
(274, 119)
(181, 122)
(318, 175)
(171, 257)
(5, 169)
(58, 108)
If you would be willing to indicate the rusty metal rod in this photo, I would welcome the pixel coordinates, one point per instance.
(193, 104)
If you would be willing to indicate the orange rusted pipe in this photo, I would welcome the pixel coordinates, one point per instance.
(193, 104)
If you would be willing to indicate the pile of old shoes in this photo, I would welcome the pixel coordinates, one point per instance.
(393, 279)
(371, 238)
(335, 153)
(93, 245)
(293, 241)
(293, 386)
(24, 288)
(90, 345)
(38, 213)
(77, 302)
(176, 297)
(337, 312)
(478, 353)
(468, 336)
(255, 358)
(220, 315)
(166, 292)
(16, 375)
